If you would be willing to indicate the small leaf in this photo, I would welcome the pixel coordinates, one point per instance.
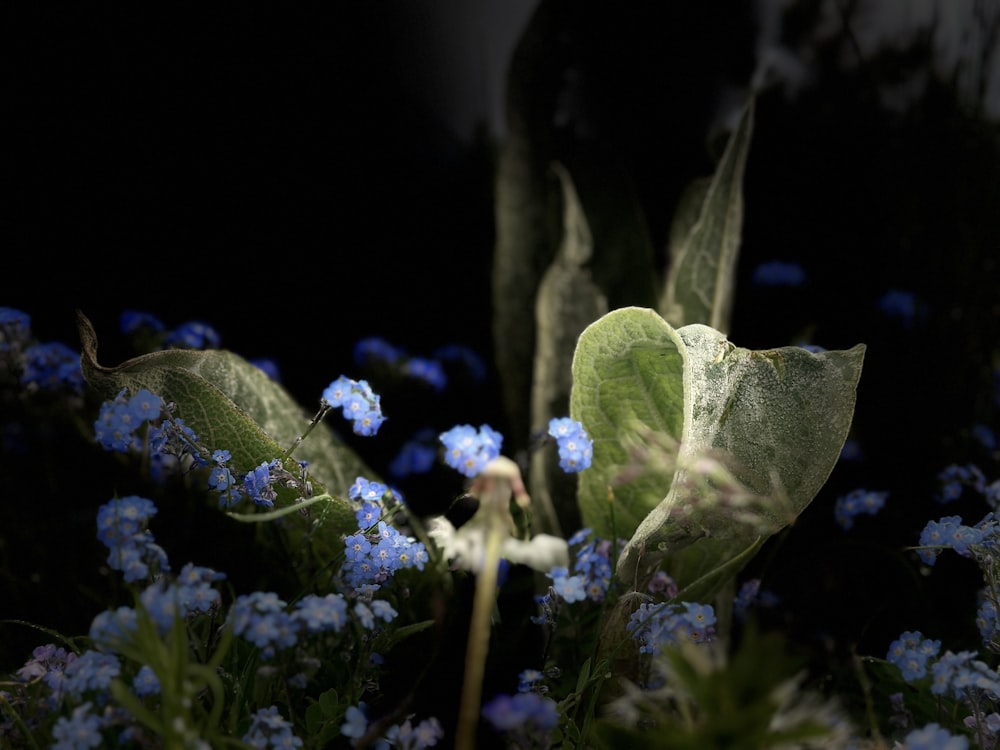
(329, 701)
(584, 677)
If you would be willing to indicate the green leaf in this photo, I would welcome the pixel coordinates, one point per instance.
(329, 702)
(705, 240)
(627, 378)
(568, 301)
(231, 404)
(746, 439)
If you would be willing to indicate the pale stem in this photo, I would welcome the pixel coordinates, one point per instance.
(494, 505)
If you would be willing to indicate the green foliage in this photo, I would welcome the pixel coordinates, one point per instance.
(600, 259)
(707, 699)
(751, 437)
(705, 239)
(229, 403)
(324, 718)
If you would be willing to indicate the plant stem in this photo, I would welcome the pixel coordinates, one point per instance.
(494, 501)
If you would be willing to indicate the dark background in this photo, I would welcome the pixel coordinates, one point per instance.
(273, 172)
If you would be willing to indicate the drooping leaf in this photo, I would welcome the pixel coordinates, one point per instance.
(231, 404)
(705, 239)
(755, 435)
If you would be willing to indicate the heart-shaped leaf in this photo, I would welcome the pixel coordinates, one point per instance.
(698, 441)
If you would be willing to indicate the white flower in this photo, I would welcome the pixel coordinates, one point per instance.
(465, 547)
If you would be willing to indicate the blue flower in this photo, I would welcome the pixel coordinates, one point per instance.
(131, 321)
(80, 731)
(901, 305)
(934, 737)
(376, 349)
(15, 329)
(416, 456)
(193, 335)
(570, 588)
(259, 484)
(428, 370)
(366, 490)
(912, 653)
(91, 671)
(357, 402)
(575, 447)
(270, 731)
(473, 363)
(52, 366)
(260, 618)
(855, 503)
(657, 625)
(111, 629)
(268, 366)
(355, 722)
(779, 273)
(468, 450)
(527, 716)
(145, 682)
(321, 613)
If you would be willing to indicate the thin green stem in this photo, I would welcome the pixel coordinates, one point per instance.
(312, 426)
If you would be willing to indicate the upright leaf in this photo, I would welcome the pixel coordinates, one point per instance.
(705, 240)
(568, 301)
(525, 216)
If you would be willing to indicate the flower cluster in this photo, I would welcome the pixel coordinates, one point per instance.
(316, 655)
(961, 676)
(575, 447)
(589, 579)
(657, 625)
(779, 273)
(132, 423)
(39, 366)
(80, 684)
(405, 736)
(432, 370)
(122, 528)
(378, 549)
(949, 532)
(856, 502)
(468, 450)
(526, 719)
(956, 478)
(357, 402)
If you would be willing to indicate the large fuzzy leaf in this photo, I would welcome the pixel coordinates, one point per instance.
(705, 447)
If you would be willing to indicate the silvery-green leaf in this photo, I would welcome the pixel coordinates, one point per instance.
(755, 435)
(568, 301)
(705, 240)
